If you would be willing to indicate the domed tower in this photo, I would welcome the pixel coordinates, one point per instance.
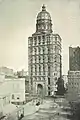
(44, 22)
(44, 56)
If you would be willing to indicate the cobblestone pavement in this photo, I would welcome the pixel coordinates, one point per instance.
(50, 111)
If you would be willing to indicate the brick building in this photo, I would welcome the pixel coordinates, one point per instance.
(74, 59)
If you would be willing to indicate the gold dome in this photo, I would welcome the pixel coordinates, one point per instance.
(43, 14)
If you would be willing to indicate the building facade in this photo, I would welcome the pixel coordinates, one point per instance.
(44, 56)
(74, 74)
(73, 86)
(24, 74)
(15, 88)
(74, 59)
(18, 90)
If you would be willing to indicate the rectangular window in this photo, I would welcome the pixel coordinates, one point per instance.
(41, 59)
(55, 38)
(39, 69)
(37, 50)
(46, 49)
(12, 96)
(37, 59)
(39, 39)
(48, 81)
(48, 40)
(43, 38)
(33, 51)
(41, 52)
(31, 81)
(35, 40)
(33, 59)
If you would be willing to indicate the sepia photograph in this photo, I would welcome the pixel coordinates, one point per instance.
(39, 59)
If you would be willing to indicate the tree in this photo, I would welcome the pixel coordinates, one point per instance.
(60, 87)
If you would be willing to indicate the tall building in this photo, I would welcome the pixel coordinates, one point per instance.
(73, 86)
(44, 56)
(74, 74)
(74, 59)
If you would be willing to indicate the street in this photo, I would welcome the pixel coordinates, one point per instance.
(50, 110)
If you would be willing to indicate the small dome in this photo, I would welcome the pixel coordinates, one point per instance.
(43, 14)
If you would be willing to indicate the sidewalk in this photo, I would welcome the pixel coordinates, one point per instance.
(31, 108)
(46, 104)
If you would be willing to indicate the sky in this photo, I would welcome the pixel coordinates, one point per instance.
(18, 22)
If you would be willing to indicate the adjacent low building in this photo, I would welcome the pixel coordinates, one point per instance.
(15, 88)
(18, 90)
(7, 71)
(12, 85)
(12, 90)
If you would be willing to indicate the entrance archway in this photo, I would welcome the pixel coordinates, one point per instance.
(40, 90)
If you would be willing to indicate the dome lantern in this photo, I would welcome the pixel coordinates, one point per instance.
(43, 8)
